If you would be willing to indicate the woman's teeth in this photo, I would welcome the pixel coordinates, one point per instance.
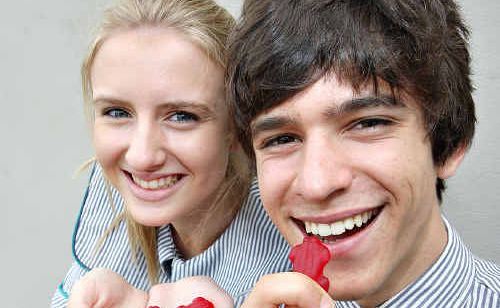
(156, 183)
(339, 227)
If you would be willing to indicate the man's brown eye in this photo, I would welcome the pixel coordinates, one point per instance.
(279, 140)
(372, 122)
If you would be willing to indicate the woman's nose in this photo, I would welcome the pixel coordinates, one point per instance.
(145, 151)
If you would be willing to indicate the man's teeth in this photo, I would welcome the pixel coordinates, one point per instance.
(157, 183)
(339, 227)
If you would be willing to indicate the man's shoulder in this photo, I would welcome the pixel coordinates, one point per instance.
(487, 274)
(485, 290)
(483, 285)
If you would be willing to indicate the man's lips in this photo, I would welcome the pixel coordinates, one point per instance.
(339, 229)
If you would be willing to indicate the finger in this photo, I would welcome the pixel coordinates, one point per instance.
(291, 289)
(161, 295)
(105, 289)
(135, 298)
(83, 293)
(185, 290)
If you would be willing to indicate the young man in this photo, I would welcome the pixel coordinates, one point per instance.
(356, 113)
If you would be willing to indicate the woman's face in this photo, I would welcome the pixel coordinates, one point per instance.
(160, 130)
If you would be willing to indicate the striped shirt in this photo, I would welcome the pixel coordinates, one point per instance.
(457, 279)
(249, 248)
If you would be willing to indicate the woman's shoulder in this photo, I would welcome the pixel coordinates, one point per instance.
(100, 234)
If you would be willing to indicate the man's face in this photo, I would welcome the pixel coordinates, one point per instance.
(355, 170)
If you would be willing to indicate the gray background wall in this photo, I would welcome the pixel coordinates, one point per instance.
(44, 139)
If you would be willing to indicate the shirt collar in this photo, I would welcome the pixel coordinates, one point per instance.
(166, 246)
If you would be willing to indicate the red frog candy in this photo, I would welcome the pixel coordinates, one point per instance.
(309, 258)
(199, 302)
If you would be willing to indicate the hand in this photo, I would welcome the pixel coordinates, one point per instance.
(182, 292)
(291, 289)
(102, 288)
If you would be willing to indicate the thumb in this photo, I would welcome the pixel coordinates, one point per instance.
(291, 289)
(326, 301)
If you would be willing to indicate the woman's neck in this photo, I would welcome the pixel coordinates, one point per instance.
(195, 233)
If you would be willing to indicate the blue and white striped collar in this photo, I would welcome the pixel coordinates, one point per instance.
(447, 283)
(167, 250)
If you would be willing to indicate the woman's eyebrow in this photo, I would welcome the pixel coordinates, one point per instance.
(106, 99)
(193, 105)
(175, 104)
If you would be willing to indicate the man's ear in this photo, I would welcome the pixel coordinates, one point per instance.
(451, 165)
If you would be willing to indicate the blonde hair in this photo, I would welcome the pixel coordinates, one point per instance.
(207, 25)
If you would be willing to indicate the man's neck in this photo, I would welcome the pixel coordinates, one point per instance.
(434, 237)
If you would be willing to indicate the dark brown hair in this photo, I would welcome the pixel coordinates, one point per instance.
(280, 47)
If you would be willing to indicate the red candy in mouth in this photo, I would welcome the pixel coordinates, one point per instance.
(310, 258)
(199, 302)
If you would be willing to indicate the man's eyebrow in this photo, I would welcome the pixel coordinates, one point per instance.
(270, 123)
(364, 102)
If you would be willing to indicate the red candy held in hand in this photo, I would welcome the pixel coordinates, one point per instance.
(309, 258)
(199, 302)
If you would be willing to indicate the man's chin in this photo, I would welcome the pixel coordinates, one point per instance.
(352, 285)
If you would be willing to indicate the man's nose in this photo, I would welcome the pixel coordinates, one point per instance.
(145, 151)
(325, 169)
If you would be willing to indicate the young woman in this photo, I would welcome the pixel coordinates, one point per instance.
(153, 84)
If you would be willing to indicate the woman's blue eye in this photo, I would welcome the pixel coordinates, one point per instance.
(117, 113)
(183, 117)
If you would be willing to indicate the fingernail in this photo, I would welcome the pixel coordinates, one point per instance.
(326, 302)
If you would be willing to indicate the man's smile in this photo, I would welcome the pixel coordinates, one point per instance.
(340, 229)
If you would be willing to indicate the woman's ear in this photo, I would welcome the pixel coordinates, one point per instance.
(451, 165)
